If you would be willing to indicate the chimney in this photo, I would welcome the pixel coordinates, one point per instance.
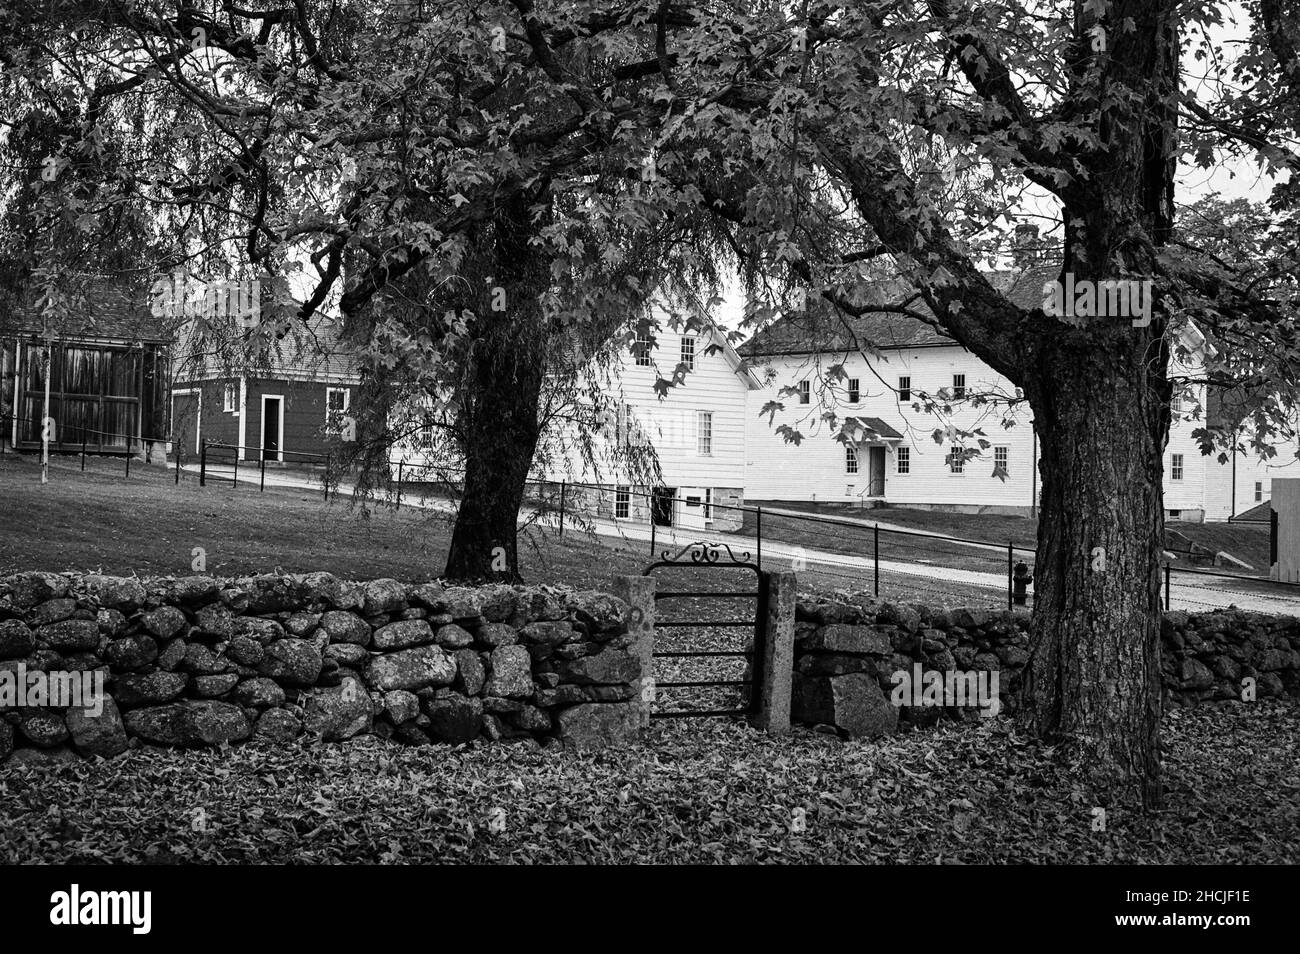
(1026, 250)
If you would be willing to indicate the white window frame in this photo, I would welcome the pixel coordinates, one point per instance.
(641, 351)
(708, 503)
(347, 401)
(622, 502)
(704, 433)
(1005, 451)
(855, 390)
(956, 462)
(905, 387)
(851, 463)
(903, 460)
(805, 392)
(1176, 467)
(688, 351)
(959, 390)
(1259, 491)
(261, 443)
(230, 399)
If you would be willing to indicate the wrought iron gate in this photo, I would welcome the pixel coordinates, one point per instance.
(707, 586)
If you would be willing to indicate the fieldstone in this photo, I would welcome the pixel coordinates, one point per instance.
(293, 662)
(71, 635)
(215, 622)
(383, 596)
(132, 652)
(609, 666)
(971, 618)
(111, 622)
(210, 687)
(201, 661)
(401, 706)
(16, 639)
(346, 654)
(601, 613)
(43, 758)
(147, 690)
(278, 725)
(414, 612)
(301, 624)
(44, 729)
(853, 703)
(340, 712)
(533, 719)
(98, 733)
(451, 636)
(498, 603)
(51, 611)
(164, 622)
(834, 664)
(1194, 675)
(499, 705)
(462, 603)
(403, 634)
(258, 693)
(497, 634)
(189, 723)
(454, 719)
(6, 740)
(607, 693)
(470, 672)
(245, 650)
(411, 669)
(429, 595)
(265, 631)
(24, 590)
(345, 627)
(1013, 657)
(193, 590)
(512, 673)
(173, 654)
(549, 633)
(115, 592)
(594, 725)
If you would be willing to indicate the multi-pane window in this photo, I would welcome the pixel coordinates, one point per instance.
(904, 460)
(688, 351)
(622, 503)
(337, 399)
(958, 386)
(425, 438)
(805, 392)
(905, 387)
(1176, 403)
(855, 393)
(1001, 455)
(230, 399)
(1259, 491)
(1176, 467)
(956, 461)
(704, 433)
(708, 503)
(850, 459)
(641, 348)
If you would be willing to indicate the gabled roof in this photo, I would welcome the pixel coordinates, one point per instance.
(821, 328)
(96, 307)
(870, 429)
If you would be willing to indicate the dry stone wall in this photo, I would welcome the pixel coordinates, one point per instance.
(849, 648)
(202, 661)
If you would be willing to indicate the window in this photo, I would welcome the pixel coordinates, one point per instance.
(230, 402)
(905, 388)
(641, 348)
(850, 459)
(704, 433)
(958, 386)
(805, 392)
(688, 351)
(1176, 467)
(337, 399)
(1259, 491)
(1001, 455)
(855, 392)
(904, 460)
(708, 503)
(425, 438)
(1176, 404)
(622, 503)
(956, 462)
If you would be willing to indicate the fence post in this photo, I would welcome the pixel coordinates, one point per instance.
(758, 532)
(177, 445)
(876, 545)
(83, 452)
(652, 533)
(203, 462)
(1166, 587)
(564, 484)
(773, 665)
(401, 464)
(128, 458)
(261, 480)
(1011, 564)
(638, 592)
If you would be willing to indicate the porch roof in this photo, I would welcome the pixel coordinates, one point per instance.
(871, 429)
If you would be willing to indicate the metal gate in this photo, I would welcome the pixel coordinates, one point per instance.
(697, 661)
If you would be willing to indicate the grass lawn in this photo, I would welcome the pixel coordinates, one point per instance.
(704, 791)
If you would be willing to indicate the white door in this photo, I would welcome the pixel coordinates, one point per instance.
(690, 508)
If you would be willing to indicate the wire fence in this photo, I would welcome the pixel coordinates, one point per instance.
(827, 551)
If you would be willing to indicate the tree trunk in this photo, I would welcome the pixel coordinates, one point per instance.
(499, 397)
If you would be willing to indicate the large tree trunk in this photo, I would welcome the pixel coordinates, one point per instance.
(500, 393)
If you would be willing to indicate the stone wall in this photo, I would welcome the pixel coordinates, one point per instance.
(848, 648)
(204, 661)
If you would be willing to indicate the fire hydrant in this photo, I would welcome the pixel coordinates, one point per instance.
(1020, 580)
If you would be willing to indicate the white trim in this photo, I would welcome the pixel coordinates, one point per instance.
(261, 444)
(198, 412)
(243, 418)
(18, 389)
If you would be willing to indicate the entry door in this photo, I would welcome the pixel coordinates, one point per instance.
(661, 506)
(185, 424)
(271, 415)
(690, 508)
(877, 472)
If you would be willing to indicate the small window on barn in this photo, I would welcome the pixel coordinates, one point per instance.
(855, 393)
(1259, 492)
(230, 399)
(805, 392)
(425, 438)
(905, 387)
(958, 386)
(622, 503)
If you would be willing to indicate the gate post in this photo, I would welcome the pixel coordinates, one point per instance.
(775, 668)
(638, 592)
